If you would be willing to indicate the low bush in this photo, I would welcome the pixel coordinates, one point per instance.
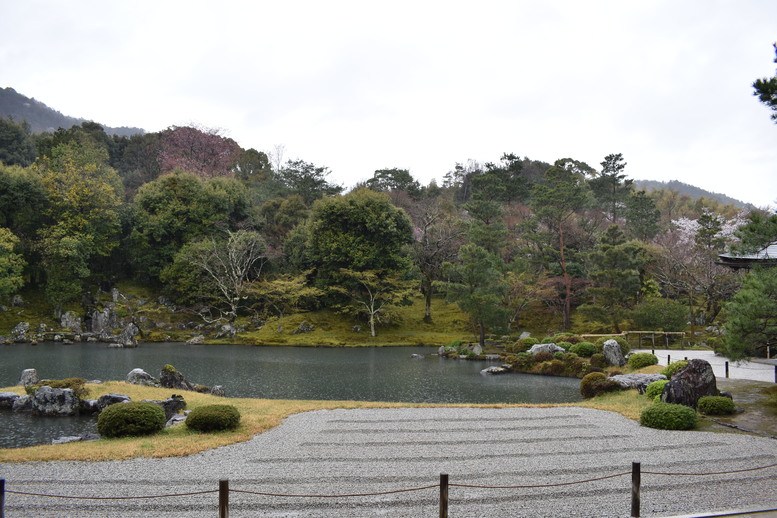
(716, 405)
(131, 419)
(543, 357)
(585, 349)
(552, 368)
(668, 416)
(597, 383)
(598, 361)
(528, 342)
(523, 362)
(641, 360)
(77, 385)
(671, 369)
(564, 345)
(213, 418)
(655, 389)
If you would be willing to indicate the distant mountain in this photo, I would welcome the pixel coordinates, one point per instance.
(691, 190)
(41, 118)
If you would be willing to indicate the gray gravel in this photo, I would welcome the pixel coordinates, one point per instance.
(362, 451)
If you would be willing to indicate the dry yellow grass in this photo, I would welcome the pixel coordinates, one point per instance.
(257, 416)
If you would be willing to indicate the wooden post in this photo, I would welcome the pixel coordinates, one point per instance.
(727, 369)
(668, 359)
(2, 497)
(635, 483)
(443, 495)
(224, 498)
(775, 380)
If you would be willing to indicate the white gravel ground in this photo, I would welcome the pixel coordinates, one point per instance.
(363, 451)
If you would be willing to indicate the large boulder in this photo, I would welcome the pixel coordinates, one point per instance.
(55, 401)
(19, 332)
(196, 340)
(107, 400)
(637, 381)
(22, 404)
(103, 321)
(546, 348)
(29, 377)
(69, 320)
(7, 399)
(172, 405)
(613, 354)
(218, 390)
(127, 336)
(691, 383)
(494, 370)
(141, 377)
(171, 378)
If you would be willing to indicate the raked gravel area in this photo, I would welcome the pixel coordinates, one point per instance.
(335, 452)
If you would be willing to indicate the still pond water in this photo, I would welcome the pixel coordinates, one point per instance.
(367, 374)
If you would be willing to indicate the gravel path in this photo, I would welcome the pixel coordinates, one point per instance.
(371, 450)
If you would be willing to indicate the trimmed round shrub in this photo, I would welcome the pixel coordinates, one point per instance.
(543, 357)
(668, 416)
(640, 360)
(671, 369)
(597, 383)
(598, 361)
(564, 345)
(585, 349)
(131, 419)
(716, 405)
(528, 342)
(552, 368)
(655, 389)
(213, 418)
(523, 362)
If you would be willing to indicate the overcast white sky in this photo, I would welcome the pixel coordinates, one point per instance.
(363, 85)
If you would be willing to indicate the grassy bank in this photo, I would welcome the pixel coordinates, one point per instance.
(258, 415)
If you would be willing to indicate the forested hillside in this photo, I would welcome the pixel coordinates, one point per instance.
(40, 117)
(689, 190)
(233, 234)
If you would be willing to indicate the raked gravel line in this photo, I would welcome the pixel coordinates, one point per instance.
(372, 450)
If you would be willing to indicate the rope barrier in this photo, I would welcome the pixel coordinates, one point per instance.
(544, 485)
(709, 474)
(111, 497)
(337, 496)
(395, 491)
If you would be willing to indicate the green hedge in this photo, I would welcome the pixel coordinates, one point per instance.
(668, 416)
(585, 349)
(597, 383)
(641, 360)
(213, 418)
(655, 389)
(131, 419)
(671, 369)
(716, 405)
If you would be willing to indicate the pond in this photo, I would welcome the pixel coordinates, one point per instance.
(365, 373)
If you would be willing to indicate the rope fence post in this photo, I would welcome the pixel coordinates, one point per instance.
(727, 369)
(636, 473)
(443, 495)
(2, 497)
(223, 498)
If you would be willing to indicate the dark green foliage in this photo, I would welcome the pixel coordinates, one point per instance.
(586, 349)
(598, 361)
(213, 418)
(523, 362)
(555, 367)
(668, 416)
(657, 314)
(655, 388)
(766, 90)
(77, 385)
(642, 216)
(716, 405)
(564, 345)
(671, 369)
(16, 146)
(543, 357)
(597, 383)
(752, 314)
(131, 419)
(640, 360)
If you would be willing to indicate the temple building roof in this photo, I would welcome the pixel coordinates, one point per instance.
(767, 256)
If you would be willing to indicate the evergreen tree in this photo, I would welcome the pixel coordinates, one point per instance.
(752, 315)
